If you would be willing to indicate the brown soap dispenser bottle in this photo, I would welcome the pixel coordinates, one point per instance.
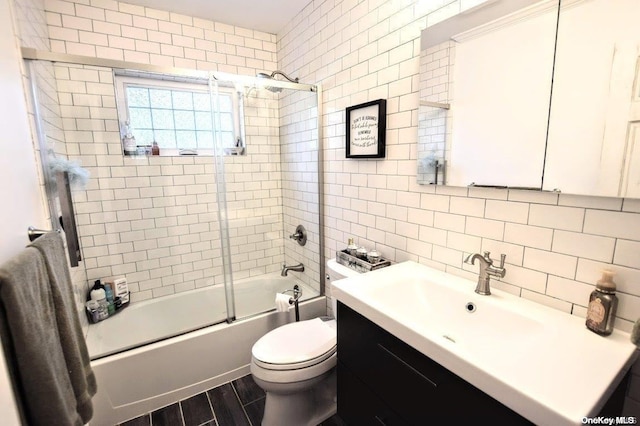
(603, 303)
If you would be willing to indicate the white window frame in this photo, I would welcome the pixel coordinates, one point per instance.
(123, 81)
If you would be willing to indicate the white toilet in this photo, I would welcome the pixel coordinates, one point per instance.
(295, 366)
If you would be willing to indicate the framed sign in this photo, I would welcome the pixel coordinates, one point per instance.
(366, 126)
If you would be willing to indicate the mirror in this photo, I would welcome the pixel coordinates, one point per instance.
(496, 78)
(595, 108)
(495, 130)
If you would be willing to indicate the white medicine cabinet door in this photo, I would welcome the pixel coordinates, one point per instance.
(593, 143)
(501, 90)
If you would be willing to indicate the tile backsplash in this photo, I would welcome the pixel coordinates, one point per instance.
(556, 244)
(155, 219)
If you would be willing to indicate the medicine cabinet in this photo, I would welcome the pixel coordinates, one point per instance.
(526, 110)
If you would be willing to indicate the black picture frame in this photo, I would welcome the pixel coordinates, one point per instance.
(366, 126)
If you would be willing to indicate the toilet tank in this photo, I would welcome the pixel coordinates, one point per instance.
(336, 271)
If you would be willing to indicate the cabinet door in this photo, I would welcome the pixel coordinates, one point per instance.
(594, 114)
(406, 380)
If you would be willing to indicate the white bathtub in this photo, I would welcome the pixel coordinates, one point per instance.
(136, 381)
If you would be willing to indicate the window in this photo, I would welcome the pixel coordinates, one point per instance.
(177, 114)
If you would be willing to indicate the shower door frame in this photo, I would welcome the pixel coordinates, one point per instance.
(34, 54)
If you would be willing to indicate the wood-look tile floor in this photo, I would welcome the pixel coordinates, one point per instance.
(238, 403)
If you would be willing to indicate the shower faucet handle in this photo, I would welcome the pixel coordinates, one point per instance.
(300, 236)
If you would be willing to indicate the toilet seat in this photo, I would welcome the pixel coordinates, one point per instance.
(296, 345)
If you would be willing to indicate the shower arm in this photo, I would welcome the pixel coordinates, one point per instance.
(293, 80)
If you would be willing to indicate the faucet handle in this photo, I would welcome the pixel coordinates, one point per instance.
(502, 258)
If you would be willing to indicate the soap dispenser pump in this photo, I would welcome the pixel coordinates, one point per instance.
(603, 304)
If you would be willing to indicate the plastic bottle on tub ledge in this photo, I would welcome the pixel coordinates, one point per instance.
(110, 298)
(99, 296)
(120, 289)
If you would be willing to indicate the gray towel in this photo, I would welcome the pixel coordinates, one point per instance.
(74, 347)
(42, 336)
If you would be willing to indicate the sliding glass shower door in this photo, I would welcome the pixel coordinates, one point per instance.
(268, 179)
(200, 228)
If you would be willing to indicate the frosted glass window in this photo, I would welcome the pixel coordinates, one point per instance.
(140, 118)
(201, 102)
(184, 120)
(138, 97)
(163, 119)
(203, 121)
(159, 98)
(178, 115)
(182, 100)
(226, 122)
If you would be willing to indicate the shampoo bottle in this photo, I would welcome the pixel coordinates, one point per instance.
(603, 304)
(99, 295)
(108, 291)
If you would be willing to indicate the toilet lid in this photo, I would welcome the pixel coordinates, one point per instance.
(296, 342)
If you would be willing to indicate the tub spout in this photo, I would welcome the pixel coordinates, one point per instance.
(297, 268)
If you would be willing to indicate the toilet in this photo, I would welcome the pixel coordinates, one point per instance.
(295, 366)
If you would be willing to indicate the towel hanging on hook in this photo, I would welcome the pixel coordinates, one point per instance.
(34, 233)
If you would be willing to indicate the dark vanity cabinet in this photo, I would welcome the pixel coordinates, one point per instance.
(384, 381)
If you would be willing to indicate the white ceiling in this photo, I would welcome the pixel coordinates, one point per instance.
(265, 15)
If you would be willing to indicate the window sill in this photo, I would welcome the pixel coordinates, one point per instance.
(228, 152)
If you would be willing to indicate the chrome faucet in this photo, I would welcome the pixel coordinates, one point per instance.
(487, 270)
(297, 268)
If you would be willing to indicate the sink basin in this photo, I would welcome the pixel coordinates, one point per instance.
(540, 362)
(455, 313)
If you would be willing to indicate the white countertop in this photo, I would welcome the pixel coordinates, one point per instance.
(540, 362)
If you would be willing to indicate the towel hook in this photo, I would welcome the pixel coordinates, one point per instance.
(34, 233)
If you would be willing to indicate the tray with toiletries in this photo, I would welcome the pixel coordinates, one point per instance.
(359, 264)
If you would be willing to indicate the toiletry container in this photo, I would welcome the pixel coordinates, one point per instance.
(93, 307)
(99, 295)
(108, 291)
(603, 304)
(120, 289)
(129, 141)
(361, 253)
(351, 247)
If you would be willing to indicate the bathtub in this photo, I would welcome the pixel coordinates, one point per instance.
(134, 379)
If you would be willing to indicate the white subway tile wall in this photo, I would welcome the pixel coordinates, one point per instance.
(556, 245)
(155, 219)
(134, 201)
(359, 51)
(544, 235)
(31, 21)
(116, 30)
